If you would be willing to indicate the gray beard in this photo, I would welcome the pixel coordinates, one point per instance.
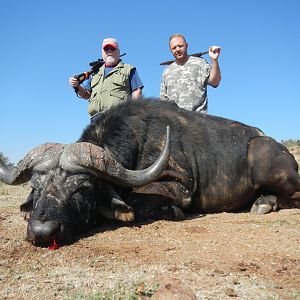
(110, 60)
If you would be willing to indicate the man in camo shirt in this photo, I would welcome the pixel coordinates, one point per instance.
(185, 80)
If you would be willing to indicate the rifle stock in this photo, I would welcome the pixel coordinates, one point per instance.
(199, 54)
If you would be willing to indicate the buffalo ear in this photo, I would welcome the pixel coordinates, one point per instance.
(28, 204)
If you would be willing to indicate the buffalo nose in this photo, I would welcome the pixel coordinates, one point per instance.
(42, 233)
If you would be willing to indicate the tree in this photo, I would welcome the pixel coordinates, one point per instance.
(290, 142)
(5, 159)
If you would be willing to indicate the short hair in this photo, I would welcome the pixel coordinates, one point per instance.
(176, 35)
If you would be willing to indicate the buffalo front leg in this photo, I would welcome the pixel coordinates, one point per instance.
(115, 208)
(159, 200)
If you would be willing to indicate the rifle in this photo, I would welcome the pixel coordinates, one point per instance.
(95, 66)
(199, 54)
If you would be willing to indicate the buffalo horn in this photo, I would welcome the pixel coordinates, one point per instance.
(89, 158)
(40, 159)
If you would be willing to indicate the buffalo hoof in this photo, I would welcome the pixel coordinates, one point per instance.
(178, 214)
(166, 212)
(264, 205)
(123, 212)
(125, 217)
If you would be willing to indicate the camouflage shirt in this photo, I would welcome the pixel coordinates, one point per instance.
(186, 85)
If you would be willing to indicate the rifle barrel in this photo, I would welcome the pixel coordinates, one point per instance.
(199, 54)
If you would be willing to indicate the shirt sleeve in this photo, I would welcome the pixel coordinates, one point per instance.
(135, 81)
(87, 84)
(163, 89)
(207, 68)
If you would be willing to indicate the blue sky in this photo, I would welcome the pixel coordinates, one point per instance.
(43, 43)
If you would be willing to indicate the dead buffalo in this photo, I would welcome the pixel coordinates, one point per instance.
(122, 169)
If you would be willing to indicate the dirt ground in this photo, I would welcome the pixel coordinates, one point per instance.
(219, 256)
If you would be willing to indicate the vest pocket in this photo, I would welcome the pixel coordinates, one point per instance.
(120, 80)
(95, 80)
(120, 95)
(94, 106)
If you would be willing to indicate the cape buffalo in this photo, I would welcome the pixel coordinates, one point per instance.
(113, 171)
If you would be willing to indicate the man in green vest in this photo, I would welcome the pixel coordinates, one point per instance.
(115, 82)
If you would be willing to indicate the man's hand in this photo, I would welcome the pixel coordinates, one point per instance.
(79, 89)
(136, 94)
(73, 82)
(214, 52)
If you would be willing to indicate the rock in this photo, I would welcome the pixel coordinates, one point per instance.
(173, 289)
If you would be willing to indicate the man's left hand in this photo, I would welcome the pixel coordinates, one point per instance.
(214, 52)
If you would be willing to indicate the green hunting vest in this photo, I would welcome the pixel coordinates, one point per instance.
(110, 90)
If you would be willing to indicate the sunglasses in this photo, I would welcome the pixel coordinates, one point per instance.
(107, 48)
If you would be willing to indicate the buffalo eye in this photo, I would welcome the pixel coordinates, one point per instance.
(82, 189)
(84, 186)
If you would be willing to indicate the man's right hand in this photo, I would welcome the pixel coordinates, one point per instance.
(73, 82)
